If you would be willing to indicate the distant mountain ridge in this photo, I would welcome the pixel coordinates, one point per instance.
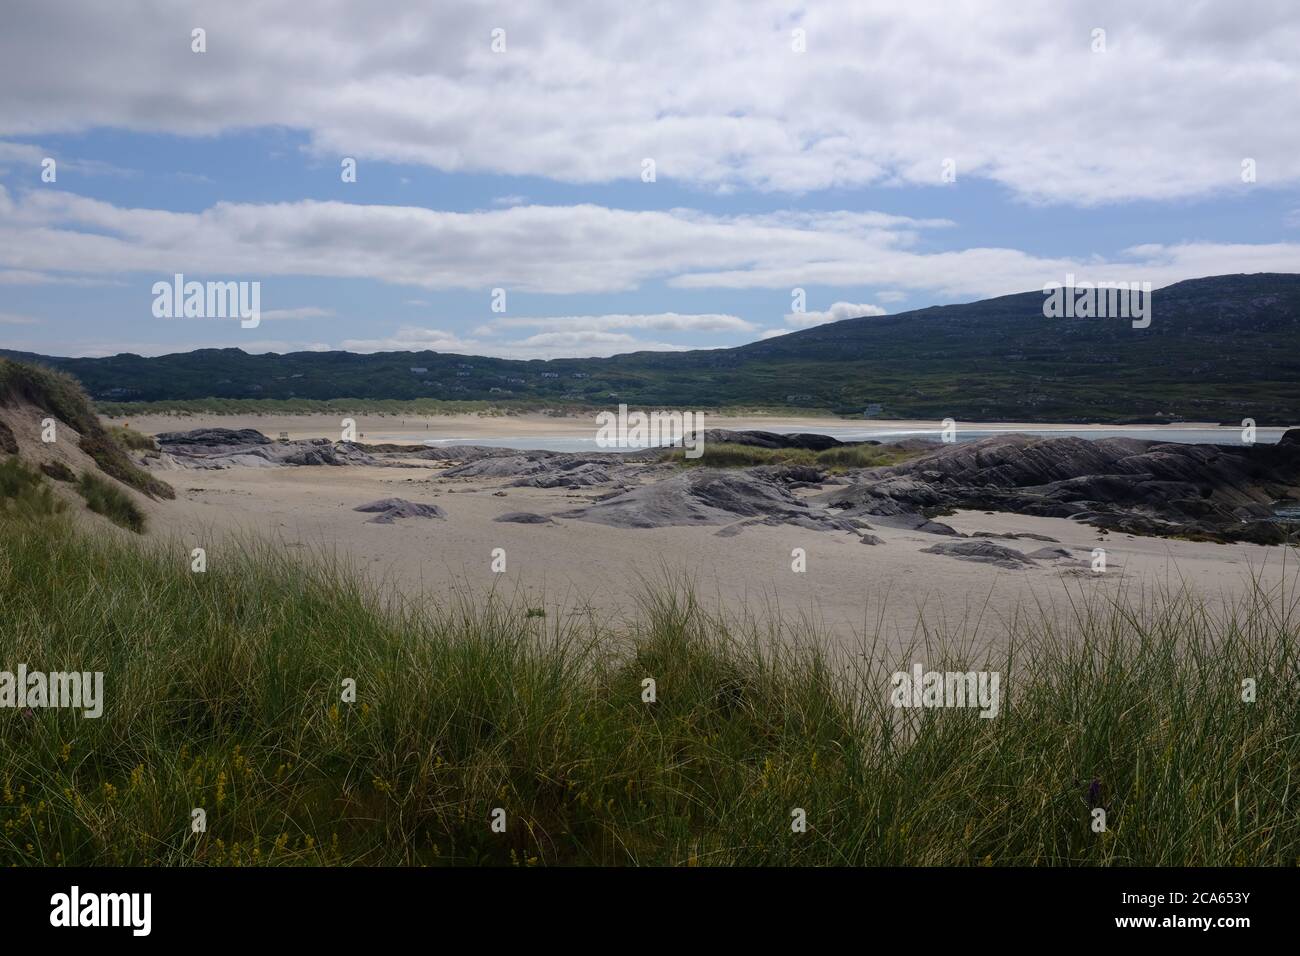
(1221, 348)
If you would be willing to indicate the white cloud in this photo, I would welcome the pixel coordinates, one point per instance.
(987, 272)
(22, 153)
(305, 312)
(838, 311)
(578, 345)
(712, 91)
(561, 249)
(411, 338)
(662, 321)
(585, 343)
(27, 277)
(32, 156)
(13, 318)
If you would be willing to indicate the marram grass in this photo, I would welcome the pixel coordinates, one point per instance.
(223, 693)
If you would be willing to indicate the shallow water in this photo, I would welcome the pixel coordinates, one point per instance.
(1224, 436)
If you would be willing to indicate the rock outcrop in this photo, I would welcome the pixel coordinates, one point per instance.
(761, 439)
(1209, 492)
(388, 510)
(707, 496)
(1137, 486)
(523, 517)
(548, 469)
(247, 447)
(985, 552)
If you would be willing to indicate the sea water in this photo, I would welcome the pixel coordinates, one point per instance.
(570, 443)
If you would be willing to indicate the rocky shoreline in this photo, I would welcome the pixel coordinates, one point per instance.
(1205, 492)
(1220, 493)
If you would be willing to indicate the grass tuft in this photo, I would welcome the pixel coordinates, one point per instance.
(58, 471)
(132, 440)
(106, 498)
(227, 690)
(23, 492)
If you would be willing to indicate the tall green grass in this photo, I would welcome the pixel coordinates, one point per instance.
(132, 440)
(62, 396)
(224, 693)
(24, 492)
(106, 498)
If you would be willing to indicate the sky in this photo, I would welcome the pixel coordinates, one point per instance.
(601, 178)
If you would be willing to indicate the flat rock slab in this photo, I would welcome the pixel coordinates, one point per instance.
(761, 439)
(983, 551)
(523, 517)
(213, 439)
(1014, 536)
(205, 448)
(705, 496)
(388, 510)
(1049, 554)
(915, 522)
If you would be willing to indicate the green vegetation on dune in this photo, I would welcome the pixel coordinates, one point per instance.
(223, 691)
(58, 471)
(106, 498)
(132, 440)
(24, 492)
(60, 395)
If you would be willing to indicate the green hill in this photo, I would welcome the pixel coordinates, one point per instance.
(1218, 349)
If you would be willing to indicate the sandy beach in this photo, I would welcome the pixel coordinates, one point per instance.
(849, 591)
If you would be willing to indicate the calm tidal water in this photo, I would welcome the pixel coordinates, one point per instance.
(1224, 436)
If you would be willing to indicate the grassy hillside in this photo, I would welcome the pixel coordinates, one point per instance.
(61, 397)
(223, 691)
(29, 394)
(1218, 349)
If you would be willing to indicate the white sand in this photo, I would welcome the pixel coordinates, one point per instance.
(849, 588)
